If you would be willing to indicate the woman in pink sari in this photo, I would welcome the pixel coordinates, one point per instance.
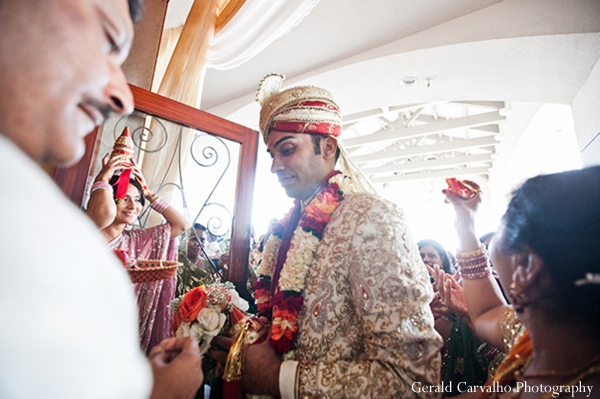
(113, 215)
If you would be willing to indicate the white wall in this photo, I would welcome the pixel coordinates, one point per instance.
(586, 117)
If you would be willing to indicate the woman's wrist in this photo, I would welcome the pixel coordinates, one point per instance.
(150, 196)
(101, 185)
(159, 204)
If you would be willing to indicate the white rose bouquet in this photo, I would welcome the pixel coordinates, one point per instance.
(202, 312)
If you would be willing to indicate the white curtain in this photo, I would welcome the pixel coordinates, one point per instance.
(257, 24)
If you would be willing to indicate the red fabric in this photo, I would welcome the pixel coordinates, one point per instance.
(324, 128)
(123, 185)
(300, 126)
(232, 389)
(286, 240)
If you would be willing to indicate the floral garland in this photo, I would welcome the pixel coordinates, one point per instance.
(284, 306)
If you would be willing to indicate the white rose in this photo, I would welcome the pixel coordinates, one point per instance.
(211, 320)
(197, 331)
(183, 330)
(238, 302)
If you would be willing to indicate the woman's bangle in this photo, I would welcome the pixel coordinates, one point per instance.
(159, 205)
(101, 185)
(476, 275)
(466, 256)
(474, 265)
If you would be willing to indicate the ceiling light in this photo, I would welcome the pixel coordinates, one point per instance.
(408, 81)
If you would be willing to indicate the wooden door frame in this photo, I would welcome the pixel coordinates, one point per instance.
(72, 180)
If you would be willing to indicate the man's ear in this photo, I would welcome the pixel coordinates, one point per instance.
(329, 147)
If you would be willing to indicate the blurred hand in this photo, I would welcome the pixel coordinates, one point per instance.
(450, 291)
(261, 367)
(110, 166)
(137, 172)
(176, 368)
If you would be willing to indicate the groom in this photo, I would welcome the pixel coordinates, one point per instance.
(341, 278)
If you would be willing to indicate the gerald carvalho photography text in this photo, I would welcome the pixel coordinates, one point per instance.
(495, 387)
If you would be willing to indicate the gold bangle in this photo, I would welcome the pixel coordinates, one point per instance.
(466, 255)
(234, 367)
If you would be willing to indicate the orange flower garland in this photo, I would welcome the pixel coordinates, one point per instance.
(283, 306)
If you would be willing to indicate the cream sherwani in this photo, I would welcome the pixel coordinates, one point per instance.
(366, 329)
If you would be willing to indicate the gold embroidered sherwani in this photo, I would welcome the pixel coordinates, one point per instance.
(366, 329)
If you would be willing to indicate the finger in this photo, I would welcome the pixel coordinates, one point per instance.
(448, 291)
(105, 159)
(218, 355)
(439, 275)
(455, 284)
(430, 270)
(177, 343)
(222, 343)
(158, 356)
(439, 278)
(451, 198)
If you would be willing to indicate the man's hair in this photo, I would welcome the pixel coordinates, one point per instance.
(136, 9)
(316, 138)
(199, 226)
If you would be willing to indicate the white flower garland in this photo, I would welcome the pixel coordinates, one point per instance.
(303, 248)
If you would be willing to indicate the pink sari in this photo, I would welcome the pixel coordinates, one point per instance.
(154, 297)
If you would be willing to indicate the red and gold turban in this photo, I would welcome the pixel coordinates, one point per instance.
(300, 109)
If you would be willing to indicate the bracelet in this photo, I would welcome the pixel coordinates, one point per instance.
(470, 255)
(101, 185)
(159, 205)
(475, 270)
(473, 261)
(476, 275)
(474, 265)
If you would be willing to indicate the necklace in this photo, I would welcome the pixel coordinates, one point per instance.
(281, 299)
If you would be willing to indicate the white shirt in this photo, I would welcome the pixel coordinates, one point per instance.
(68, 319)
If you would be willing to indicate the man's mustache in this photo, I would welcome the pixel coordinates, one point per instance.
(103, 108)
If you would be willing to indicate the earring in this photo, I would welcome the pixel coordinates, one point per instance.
(518, 299)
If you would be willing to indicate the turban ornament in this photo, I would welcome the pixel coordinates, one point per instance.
(300, 109)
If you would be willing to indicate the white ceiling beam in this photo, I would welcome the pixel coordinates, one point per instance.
(493, 128)
(455, 145)
(487, 128)
(434, 163)
(413, 117)
(422, 130)
(357, 116)
(439, 174)
(488, 104)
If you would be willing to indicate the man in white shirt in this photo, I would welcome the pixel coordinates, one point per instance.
(69, 321)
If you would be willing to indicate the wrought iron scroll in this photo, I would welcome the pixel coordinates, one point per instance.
(204, 154)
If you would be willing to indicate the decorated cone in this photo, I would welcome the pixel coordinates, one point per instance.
(123, 145)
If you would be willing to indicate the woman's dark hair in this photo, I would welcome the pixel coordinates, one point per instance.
(113, 183)
(446, 265)
(557, 216)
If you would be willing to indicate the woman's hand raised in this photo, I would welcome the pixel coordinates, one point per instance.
(110, 166)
